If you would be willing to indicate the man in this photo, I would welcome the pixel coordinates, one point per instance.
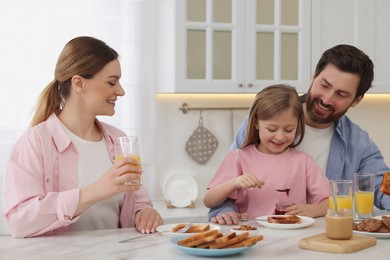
(341, 148)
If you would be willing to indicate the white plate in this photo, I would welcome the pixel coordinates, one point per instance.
(306, 221)
(207, 252)
(166, 229)
(377, 235)
(173, 170)
(374, 234)
(180, 190)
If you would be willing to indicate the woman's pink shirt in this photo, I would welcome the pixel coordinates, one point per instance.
(41, 191)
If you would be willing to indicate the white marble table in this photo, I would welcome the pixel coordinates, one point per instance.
(175, 215)
(103, 244)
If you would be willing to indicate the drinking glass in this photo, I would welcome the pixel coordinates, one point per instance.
(343, 193)
(281, 207)
(364, 185)
(127, 146)
(339, 225)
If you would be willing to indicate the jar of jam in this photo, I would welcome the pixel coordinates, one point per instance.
(281, 207)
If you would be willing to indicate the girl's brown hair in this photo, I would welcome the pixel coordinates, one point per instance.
(84, 56)
(270, 102)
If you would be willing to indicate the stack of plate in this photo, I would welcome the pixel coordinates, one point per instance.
(179, 186)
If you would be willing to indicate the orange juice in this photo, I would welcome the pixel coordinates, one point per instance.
(137, 179)
(342, 202)
(364, 202)
(121, 157)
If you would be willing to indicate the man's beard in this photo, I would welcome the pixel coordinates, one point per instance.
(316, 115)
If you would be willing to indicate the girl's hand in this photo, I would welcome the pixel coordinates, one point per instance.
(228, 218)
(308, 210)
(298, 209)
(248, 180)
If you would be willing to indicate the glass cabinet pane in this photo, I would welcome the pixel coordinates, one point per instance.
(196, 10)
(196, 54)
(222, 11)
(265, 10)
(222, 55)
(290, 12)
(264, 55)
(228, 43)
(289, 56)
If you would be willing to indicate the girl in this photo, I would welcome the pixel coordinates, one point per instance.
(61, 175)
(268, 161)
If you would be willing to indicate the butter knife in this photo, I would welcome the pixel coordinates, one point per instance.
(133, 238)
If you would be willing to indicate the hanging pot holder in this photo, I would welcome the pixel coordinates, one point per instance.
(202, 143)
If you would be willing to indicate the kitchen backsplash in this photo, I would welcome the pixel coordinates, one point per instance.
(175, 128)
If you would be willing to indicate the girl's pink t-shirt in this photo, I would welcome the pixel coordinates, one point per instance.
(292, 170)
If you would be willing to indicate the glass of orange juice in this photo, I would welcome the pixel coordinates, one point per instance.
(127, 146)
(364, 186)
(343, 193)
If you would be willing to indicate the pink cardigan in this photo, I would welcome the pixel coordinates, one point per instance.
(41, 190)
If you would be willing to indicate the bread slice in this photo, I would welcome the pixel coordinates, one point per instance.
(247, 241)
(214, 239)
(200, 236)
(178, 227)
(290, 219)
(385, 185)
(196, 228)
(229, 242)
(221, 239)
(203, 240)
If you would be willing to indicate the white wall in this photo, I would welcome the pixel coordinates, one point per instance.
(174, 128)
(33, 32)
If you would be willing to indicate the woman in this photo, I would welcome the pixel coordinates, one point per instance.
(61, 175)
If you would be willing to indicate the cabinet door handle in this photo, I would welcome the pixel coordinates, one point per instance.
(250, 85)
(240, 85)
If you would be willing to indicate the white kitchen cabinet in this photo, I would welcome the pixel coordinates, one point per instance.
(222, 46)
(362, 23)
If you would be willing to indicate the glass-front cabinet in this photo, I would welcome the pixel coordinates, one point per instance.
(215, 46)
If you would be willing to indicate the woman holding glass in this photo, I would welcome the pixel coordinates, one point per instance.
(61, 174)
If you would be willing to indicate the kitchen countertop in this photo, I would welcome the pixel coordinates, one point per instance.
(176, 215)
(103, 244)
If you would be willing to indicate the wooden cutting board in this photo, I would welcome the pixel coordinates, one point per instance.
(323, 244)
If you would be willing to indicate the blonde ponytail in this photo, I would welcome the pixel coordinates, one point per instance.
(49, 100)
